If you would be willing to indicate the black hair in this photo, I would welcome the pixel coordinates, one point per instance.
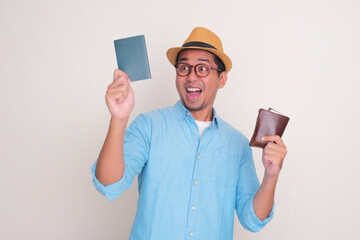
(220, 65)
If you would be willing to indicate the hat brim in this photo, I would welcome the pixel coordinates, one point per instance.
(173, 52)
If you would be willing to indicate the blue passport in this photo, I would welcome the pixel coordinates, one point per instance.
(132, 57)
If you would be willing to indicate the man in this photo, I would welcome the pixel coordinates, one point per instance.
(194, 168)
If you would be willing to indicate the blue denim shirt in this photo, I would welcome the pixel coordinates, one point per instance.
(189, 186)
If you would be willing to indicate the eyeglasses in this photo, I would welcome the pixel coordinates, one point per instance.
(201, 70)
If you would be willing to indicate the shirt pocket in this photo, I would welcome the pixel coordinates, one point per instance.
(225, 168)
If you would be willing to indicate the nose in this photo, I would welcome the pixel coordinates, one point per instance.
(191, 76)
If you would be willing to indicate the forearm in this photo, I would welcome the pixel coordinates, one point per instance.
(264, 198)
(110, 166)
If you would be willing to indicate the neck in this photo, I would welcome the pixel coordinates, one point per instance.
(202, 116)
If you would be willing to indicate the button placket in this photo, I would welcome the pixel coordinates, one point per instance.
(194, 196)
(193, 207)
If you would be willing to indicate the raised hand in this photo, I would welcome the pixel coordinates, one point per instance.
(273, 155)
(120, 97)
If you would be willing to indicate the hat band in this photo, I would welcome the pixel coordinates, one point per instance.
(198, 44)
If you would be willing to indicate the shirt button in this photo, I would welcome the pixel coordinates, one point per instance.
(188, 114)
(193, 208)
(191, 234)
(195, 132)
(196, 182)
(198, 157)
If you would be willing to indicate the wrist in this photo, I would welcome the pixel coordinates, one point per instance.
(118, 123)
(270, 179)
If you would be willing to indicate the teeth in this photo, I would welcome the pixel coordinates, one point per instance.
(193, 89)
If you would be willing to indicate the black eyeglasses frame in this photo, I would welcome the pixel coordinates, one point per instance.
(195, 67)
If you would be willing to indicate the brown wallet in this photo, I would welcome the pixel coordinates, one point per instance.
(269, 122)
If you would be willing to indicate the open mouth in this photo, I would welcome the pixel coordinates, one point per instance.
(193, 93)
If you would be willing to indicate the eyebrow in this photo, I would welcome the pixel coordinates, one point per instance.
(199, 59)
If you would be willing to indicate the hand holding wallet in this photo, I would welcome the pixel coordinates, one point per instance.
(269, 122)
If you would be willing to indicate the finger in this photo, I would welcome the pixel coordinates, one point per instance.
(273, 158)
(120, 74)
(274, 138)
(121, 82)
(122, 86)
(115, 97)
(273, 147)
(118, 90)
(115, 94)
(270, 151)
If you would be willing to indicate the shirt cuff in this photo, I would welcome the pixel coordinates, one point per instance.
(255, 224)
(111, 191)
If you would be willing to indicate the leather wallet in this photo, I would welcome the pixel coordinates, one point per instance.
(269, 122)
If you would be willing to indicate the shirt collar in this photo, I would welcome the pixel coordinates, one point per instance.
(182, 112)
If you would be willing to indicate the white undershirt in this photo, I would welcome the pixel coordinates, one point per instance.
(203, 125)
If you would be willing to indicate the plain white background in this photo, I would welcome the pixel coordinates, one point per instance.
(301, 57)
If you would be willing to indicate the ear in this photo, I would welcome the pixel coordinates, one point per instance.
(223, 79)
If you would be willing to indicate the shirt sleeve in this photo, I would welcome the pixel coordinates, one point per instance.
(136, 151)
(246, 189)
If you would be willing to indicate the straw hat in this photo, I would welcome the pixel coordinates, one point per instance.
(204, 39)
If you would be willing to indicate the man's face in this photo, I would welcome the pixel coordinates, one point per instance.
(198, 93)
